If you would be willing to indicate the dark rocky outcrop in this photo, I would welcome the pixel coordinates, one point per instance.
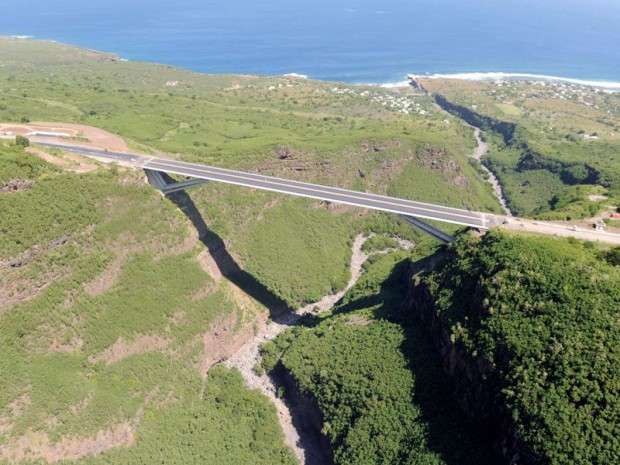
(16, 186)
(33, 253)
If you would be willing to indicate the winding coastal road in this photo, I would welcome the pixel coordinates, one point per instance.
(410, 208)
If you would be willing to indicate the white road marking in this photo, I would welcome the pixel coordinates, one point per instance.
(327, 192)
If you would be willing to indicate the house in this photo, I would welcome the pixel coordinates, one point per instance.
(615, 216)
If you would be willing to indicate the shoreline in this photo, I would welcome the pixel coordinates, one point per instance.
(611, 86)
(602, 84)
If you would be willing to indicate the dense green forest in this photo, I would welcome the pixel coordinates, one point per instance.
(544, 312)
(376, 379)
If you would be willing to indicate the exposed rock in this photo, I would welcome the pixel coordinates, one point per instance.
(122, 349)
(460, 180)
(284, 153)
(16, 185)
(33, 253)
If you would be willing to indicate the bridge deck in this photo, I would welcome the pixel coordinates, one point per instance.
(298, 188)
(320, 192)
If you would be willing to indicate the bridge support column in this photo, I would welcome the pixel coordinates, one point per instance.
(161, 182)
(428, 229)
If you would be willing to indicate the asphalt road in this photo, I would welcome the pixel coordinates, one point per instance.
(316, 191)
(285, 186)
(333, 194)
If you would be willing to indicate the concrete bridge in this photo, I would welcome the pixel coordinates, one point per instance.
(411, 211)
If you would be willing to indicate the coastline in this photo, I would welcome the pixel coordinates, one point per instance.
(611, 86)
(602, 84)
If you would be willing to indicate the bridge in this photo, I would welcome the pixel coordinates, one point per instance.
(411, 211)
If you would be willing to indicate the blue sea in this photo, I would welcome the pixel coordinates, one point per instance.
(356, 41)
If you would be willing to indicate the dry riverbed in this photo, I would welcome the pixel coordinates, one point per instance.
(306, 444)
(479, 152)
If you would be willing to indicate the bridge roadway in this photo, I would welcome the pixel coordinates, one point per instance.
(285, 186)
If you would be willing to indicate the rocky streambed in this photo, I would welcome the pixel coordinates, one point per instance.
(306, 442)
(479, 152)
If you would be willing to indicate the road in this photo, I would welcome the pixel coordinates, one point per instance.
(562, 230)
(285, 186)
(478, 220)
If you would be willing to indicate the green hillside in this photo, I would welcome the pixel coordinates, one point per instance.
(102, 331)
(377, 380)
(549, 142)
(538, 320)
(112, 305)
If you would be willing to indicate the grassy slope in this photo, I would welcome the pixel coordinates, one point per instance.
(553, 121)
(52, 339)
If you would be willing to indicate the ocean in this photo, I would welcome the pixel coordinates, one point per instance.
(356, 41)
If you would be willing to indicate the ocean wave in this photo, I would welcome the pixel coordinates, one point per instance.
(391, 85)
(609, 85)
(302, 76)
(21, 37)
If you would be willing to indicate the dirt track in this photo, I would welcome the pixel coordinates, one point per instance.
(86, 135)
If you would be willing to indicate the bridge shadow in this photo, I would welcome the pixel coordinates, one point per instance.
(226, 264)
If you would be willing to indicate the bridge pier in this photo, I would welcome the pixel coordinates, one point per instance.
(161, 182)
(428, 229)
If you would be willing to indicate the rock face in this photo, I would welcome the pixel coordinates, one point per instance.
(307, 417)
(476, 387)
(16, 186)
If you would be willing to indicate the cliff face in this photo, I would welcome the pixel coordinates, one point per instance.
(486, 123)
(476, 388)
(307, 417)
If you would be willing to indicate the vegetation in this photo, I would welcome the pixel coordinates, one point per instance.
(380, 243)
(543, 313)
(15, 164)
(298, 251)
(228, 424)
(102, 332)
(376, 380)
(54, 206)
(22, 141)
(546, 140)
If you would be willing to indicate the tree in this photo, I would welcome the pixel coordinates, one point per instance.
(613, 256)
(23, 141)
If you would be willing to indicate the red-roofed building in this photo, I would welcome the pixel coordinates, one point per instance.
(615, 216)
